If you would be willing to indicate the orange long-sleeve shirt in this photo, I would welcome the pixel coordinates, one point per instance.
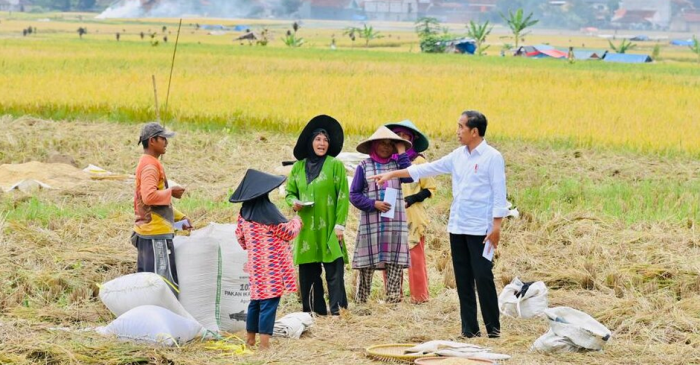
(155, 215)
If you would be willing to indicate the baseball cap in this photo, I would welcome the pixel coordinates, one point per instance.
(154, 129)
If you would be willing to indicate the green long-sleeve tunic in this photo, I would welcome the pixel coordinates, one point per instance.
(317, 241)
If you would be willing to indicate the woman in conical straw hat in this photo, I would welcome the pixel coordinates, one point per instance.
(265, 233)
(414, 194)
(382, 239)
(317, 189)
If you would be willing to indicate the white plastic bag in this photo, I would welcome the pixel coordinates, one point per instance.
(528, 305)
(479, 355)
(134, 290)
(456, 349)
(571, 331)
(214, 285)
(433, 346)
(153, 324)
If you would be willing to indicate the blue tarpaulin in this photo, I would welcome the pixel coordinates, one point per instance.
(466, 47)
(213, 27)
(463, 45)
(640, 38)
(241, 28)
(682, 42)
(589, 55)
(627, 58)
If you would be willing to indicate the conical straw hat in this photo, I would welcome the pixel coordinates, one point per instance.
(381, 133)
(420, 141)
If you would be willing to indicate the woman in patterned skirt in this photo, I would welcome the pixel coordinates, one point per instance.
(413, 195)
(382, 242)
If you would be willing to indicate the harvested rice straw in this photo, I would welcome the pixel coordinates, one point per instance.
(227, 348)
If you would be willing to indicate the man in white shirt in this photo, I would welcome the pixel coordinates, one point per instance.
(478, 207)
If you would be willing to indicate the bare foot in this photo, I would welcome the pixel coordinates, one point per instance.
(250, 339)
(264, 342)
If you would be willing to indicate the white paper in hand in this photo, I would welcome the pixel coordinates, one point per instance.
(172, 184)
(390, 195)
(179, 225)
(305, 204)
(488, 251)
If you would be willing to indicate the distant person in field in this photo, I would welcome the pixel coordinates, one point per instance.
(478, 207)
(317, 190)
(265, 233)
(382, 242)
(413, 195)
(154, 227)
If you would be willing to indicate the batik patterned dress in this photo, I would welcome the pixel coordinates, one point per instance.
(269, 256)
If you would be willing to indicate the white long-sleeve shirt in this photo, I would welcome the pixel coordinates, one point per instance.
(478, 187)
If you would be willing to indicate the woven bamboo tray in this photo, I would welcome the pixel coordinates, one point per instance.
(435, 360)
(392, 352)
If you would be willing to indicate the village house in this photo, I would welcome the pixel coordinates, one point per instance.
(397, 10)
(15, 5)
(643, 14)
(331, 10)
(687, 21)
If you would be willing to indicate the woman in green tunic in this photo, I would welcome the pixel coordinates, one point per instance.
(317, 189)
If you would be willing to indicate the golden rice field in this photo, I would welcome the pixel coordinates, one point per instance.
(216, 81)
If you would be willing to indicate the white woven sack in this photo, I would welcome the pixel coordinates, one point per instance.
(134, 290)
(197, 261)
(235, 285)
(214, 287)
(551, 343)
(578, 327)
(153, 324)
(530, 305)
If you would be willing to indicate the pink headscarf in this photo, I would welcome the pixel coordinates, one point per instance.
(412, 154)
(375, 156)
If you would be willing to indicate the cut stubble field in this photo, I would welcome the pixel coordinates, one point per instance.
(635, 270)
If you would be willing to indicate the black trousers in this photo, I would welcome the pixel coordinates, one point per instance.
(471, 268)
(311, 287)
(157, 256)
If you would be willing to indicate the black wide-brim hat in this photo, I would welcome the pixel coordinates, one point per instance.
(330, 125)
(255, 184)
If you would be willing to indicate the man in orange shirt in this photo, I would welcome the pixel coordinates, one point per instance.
(154, 227)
